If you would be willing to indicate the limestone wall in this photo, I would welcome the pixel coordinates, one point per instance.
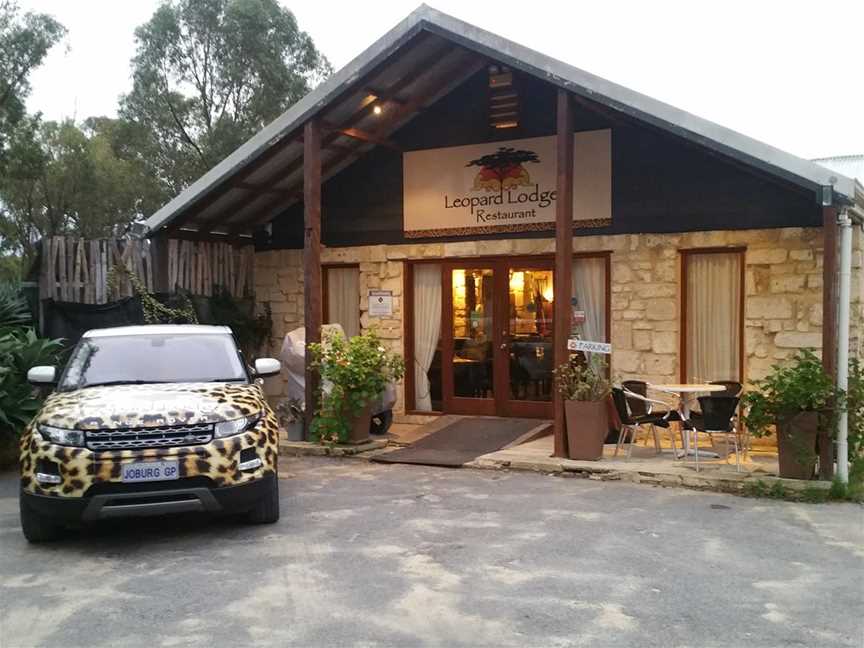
(783, 291)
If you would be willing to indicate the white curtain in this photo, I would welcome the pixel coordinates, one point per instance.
(713, 316)
(589, 288)
(427, 329)
(343, 299)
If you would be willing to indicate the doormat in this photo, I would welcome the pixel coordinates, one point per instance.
(462, 441)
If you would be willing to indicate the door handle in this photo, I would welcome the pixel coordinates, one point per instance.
(503, 346)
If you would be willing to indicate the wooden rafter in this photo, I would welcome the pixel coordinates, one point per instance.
(363, 136)
(467, 67)
(269, 189)
(289, 138)
(423, 66)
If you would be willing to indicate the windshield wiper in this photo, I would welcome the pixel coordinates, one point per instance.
(111, 383)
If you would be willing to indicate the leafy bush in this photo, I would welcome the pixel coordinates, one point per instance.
(20, 349)
(798, 385)
(14, 310)
(855, 436)
(578, 380)
(356, 371)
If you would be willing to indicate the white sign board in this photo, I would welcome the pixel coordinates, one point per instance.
(380, 303)
(589, 347)
(505, 186)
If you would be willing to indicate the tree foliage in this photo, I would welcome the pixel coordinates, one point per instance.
(24, 42)
(62, 178)
(208, 74)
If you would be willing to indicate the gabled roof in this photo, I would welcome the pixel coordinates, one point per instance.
(415, 71)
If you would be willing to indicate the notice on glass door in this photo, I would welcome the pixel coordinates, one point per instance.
(380, 303)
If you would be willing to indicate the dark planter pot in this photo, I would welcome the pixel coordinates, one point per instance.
(796, 445)
(587, 427)
(359, 431)
(294, 430)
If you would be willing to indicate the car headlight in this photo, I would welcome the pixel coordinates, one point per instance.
(235, 426)
(62, 436)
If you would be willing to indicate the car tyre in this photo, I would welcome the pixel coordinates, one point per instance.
(266, 511)
(36, 527)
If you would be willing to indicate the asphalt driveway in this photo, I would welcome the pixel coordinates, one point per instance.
(376, 555)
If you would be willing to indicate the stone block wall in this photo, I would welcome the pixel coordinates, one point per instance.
(783, 291)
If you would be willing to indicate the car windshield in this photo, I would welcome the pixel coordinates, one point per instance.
(153, 358)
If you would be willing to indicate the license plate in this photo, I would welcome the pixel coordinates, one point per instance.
(145, 471)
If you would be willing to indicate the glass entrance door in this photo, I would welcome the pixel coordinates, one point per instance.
(527, 347)
(497, 337)
(470, 315)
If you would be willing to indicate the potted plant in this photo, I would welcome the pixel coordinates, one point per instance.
(585, 390)
(354, 373)
(797, 399)
(291, 417)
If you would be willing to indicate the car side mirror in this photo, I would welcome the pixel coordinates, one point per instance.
(266, 367)
(42, 375)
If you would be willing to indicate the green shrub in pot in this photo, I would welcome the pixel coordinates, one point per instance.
(356, 371)
(798, 400)
(585, 389)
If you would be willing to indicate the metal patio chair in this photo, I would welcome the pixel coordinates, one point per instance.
(630, 423)
(718, 417)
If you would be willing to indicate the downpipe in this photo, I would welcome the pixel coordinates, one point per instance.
(844, 222)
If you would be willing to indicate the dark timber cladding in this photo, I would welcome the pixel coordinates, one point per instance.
(563, 254)
(312, 254)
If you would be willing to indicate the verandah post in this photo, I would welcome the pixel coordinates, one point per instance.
(563, 254)
(829, 327)
(311, 254)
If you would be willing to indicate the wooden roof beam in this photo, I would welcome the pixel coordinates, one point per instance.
(468, 69)
(245, 172)
(423, 66)
(362, 135)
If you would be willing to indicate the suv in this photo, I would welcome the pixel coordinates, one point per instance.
(147, 420)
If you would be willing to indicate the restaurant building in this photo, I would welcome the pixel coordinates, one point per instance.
(453, 189)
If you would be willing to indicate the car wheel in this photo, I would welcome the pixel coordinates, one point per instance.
(37, 528)
(266, 511)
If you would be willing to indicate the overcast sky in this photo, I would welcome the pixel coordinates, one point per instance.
(787, 73)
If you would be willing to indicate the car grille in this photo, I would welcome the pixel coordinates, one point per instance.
(166, 436)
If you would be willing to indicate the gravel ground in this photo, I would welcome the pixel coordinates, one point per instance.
(376, 555)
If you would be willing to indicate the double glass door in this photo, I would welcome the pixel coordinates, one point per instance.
(497, 346)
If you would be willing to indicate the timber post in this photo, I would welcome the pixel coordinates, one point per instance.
(311, 256)
(829, 327)
(563, 255)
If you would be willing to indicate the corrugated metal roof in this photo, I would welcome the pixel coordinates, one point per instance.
(413, 51)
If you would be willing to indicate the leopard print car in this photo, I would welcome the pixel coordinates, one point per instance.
(214, 444)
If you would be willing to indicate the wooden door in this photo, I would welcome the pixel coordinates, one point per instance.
(497, 337)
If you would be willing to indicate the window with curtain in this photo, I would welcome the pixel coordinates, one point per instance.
(343, 299)
(427, 337)
(713, 318)
(588, 292)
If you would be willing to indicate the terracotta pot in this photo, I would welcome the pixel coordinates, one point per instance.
(796, 445)
(359, 432)
(587, 426)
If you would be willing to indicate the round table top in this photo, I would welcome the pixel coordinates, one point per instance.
(685, 388)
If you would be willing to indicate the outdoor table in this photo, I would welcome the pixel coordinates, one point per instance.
(682, 390)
